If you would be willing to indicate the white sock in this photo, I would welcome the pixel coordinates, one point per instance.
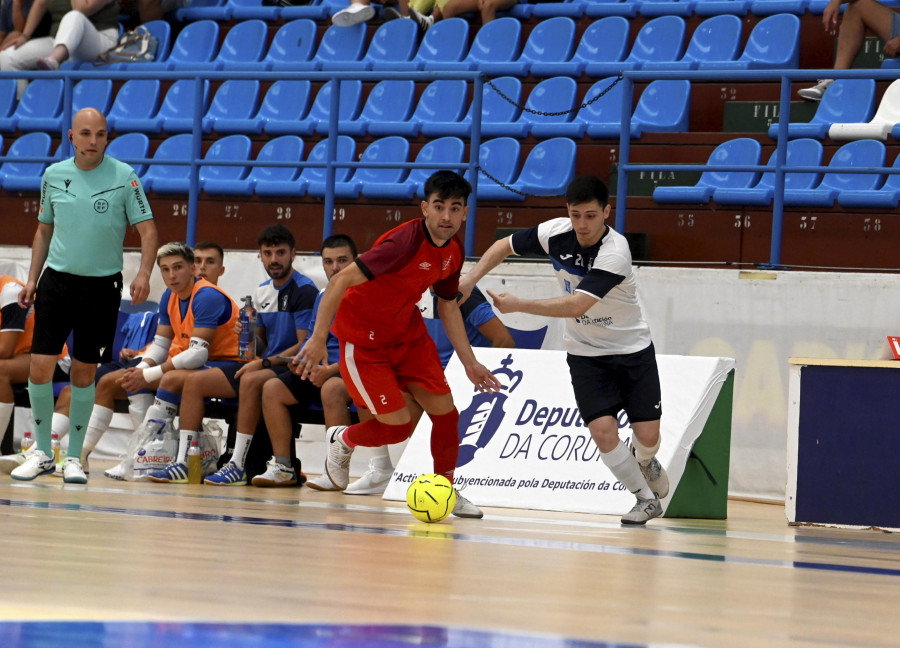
(381, 459)
(625, 467)
(6, 412)
(161, 411)
(241, 446)
(101, 417)
(138, 404)
(184, 442)
(644, 453)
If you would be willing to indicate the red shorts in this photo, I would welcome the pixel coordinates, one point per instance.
(376, 377)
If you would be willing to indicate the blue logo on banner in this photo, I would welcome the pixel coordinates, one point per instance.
(479, 421)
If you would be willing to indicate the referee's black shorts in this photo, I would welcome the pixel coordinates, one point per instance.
(87, 307)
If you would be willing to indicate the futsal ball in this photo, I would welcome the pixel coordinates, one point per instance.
(431, 498)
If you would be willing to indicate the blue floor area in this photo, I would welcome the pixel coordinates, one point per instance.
(76, 634)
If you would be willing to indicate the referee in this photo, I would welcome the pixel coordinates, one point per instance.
(87, 203)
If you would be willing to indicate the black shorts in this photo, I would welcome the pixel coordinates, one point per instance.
(604, 385)
(303, 391)
(230, 369)
(115, 365)
(87, 307)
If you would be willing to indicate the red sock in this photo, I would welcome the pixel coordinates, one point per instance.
(373, 433)
(445, 442)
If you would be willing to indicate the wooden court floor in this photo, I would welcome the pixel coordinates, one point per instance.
(138, 552)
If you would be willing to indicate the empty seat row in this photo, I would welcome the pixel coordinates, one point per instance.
(553, 108)
(801, 189)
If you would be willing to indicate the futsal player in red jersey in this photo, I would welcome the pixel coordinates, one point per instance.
(385, 346)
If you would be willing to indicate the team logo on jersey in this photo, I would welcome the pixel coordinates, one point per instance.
(424, 265)
(68, 182)
(101, 206)
(135, 183)
(480, 420)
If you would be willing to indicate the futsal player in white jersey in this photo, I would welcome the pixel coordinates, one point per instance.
(611, 357)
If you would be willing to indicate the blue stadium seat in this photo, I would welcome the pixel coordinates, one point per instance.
(195, 45)
(284, 107)
(662, 108)
(603, 116)
(349, 105)
(885, 197)
(339, 46)
(293, 44)
(25, 176)
(169, 178)
(437, 153)
(548, 170)
(92, 93)
(550, 96)
(130, 146)
(176, 114)
(714, 40)
(551, 41)
(769, 7)
(499, 161)
(603, 45)
(862, 154)
(802, 152)
(252, 9)
(496, 42)
(390, 103)
(234, 108)
(392, 47)
(203, 10)
(845, 100)
(564, 9)
(722, 7)
(655, 8)
(660, 39)
(737, 152)
(444, 46)
(161, 29)
(312, 179)
(227, 180)
(604, 8)
(494, 109)
(278, 181)
(774, 43)
(135, 107)
(442, 101)
(243, 48)
(315, 10)
(385, 150)
(40, 107)
(7, 104)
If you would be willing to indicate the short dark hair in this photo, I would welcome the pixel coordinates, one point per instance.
(176, 248)
(584, 189)
(276, 235)
(447, 184)
(339, 240)
(210, 245)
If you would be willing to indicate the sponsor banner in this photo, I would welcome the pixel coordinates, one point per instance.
(527, 447)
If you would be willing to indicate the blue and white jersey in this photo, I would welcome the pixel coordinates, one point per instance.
(282, 311)
(615, 324)
(332, 345)
(475, 312)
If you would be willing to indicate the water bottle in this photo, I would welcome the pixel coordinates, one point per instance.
(54, 443)
(247, 337)
(27, 442)
(195, 464)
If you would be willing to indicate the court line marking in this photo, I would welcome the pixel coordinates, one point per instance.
(428, 531)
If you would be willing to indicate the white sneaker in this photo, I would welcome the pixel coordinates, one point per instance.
(10, 462)
(118, 471)
(816, 92)
(73, 473)
(373, 482)
(337, 463)
(353, 15)
(276, 475)
(465, 509)
(643, 510)
(321, 483)
(35, 465)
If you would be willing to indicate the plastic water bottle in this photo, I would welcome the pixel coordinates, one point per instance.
(195, 464)
(247, 337)
(27, 442)
(54, 443)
